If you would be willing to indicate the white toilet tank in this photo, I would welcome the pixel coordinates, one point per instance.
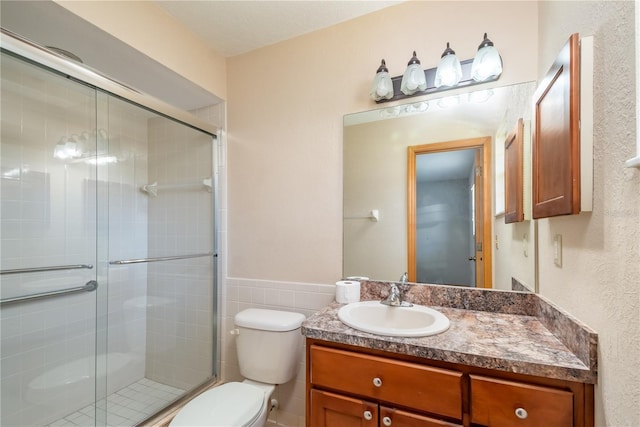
(269, 344)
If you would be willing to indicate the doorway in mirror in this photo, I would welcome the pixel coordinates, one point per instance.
(448, 195)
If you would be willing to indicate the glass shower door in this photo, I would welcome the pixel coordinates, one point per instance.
(48, 255)
(161, 264)
(107, 254)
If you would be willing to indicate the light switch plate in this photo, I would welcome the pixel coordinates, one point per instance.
(557, 250)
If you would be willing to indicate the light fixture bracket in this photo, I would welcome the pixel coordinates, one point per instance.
(430, 75)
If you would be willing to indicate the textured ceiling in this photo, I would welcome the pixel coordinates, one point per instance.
(233, 27)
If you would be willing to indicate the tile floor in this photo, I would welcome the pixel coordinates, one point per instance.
(126, 407)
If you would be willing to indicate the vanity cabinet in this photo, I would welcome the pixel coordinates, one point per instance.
(354, 386)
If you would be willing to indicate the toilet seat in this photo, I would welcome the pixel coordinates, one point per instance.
(231, 404)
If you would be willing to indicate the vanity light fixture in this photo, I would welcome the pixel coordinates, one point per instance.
(451, 73)
(414, 79)
(382, 87)
(487, 62)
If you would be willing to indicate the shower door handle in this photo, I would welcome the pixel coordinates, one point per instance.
(52, 268)
(90, 286)
(161, 258)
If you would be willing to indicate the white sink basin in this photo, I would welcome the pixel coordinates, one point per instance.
(377, 318)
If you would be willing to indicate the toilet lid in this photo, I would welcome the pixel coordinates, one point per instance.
(231, 404)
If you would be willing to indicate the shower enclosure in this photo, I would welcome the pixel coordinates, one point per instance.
(108, 266)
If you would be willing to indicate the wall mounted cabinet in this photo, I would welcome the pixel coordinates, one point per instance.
(556, 136)
(513, 174)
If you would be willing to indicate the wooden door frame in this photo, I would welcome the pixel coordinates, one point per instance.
(484, 143)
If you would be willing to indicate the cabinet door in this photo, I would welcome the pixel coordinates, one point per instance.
(513, 171)
(499, 403)
(397, 418)
(335, 410)
(556, 137)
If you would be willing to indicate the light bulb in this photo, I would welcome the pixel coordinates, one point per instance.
(413, 79)
(449, 71)
(487, 62)
(382, 86)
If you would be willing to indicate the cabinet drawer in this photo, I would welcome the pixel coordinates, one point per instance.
(498, 403)
(410, 385)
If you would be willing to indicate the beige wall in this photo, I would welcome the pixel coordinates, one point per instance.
(598, 281)
(152, 31)
(285, 109)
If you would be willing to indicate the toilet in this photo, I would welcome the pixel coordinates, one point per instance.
(269, 346)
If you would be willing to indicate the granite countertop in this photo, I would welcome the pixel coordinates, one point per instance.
(507, 331)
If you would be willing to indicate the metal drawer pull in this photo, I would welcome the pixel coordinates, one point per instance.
(368, 415)
(386, 421)
(521, 413)
(377, 382)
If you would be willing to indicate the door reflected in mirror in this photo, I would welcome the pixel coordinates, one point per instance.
(446, 187)
(376, 178)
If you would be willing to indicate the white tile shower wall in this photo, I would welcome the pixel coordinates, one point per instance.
(179, 323)
(302, 298)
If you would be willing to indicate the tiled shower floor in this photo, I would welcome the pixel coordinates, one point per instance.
(126, 407)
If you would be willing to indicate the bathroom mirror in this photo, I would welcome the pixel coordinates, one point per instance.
(376, 182)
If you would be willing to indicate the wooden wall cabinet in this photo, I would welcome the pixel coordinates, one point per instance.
(357, 387)
(513, 174)
(556, 136)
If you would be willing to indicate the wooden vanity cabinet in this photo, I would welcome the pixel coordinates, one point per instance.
(353, 386)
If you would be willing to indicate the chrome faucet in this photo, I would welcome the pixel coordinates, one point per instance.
(394, 299)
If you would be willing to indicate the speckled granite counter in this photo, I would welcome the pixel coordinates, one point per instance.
(516, 332)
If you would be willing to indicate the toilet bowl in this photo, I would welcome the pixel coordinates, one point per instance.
(269, 345)
(241, 404)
